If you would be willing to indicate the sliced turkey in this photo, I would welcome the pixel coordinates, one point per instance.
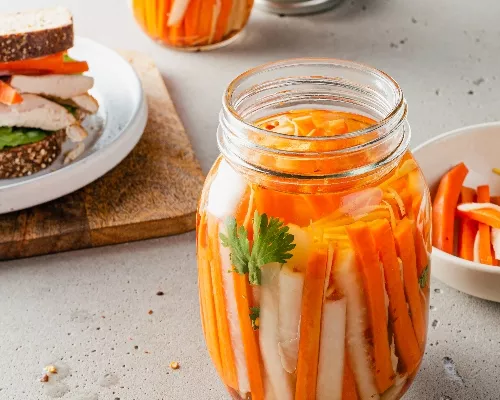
(36, 112)
(76, 133)
(62, 86)
(84, 102)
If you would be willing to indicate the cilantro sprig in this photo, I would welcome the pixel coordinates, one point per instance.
(272, 242)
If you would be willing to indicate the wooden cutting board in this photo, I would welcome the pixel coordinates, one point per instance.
(152, 193)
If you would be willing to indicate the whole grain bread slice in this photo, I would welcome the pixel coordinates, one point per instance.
(31, 158)
(37, 33)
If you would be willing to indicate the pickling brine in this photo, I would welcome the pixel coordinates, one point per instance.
(314, 288)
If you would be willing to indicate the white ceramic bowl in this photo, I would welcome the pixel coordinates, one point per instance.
(478, 147)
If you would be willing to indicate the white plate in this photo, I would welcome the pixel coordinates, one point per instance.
(477, 146)
(113, 132)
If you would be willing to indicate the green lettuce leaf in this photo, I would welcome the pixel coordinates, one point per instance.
(12, 137)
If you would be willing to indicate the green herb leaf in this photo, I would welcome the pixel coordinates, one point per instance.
(254, 317)
(12, 137)
(271, 243)
(424, 277)
(237, 241)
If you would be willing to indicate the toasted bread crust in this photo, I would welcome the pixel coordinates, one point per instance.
(31, 158)
(22, 46)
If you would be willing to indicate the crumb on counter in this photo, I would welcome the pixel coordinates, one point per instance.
(150, 312)
(44, 378)
(174, 365)
(51, 369)
(160, 293)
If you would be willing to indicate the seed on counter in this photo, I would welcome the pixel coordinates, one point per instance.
(44, 378)
(150, 312)
(174, 365)
(160, 293)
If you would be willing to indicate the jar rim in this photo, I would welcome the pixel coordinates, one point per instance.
(308, 61)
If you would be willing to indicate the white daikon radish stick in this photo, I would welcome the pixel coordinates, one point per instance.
(177, 12)
(476, 248)
(331, 352)
(394, 357)
(291, 284)
(495, 241)
(233, 318)
(215, 17)
(280, 380)
(346, 276)
(393, 392)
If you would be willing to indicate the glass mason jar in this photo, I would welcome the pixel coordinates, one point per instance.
(192, 24)
(313, 236)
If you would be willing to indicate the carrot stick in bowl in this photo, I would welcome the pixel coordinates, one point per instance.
(445, 203)
(485, 254)
(467, 228)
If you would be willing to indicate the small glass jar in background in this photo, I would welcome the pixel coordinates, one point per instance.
(295, 7)
(192, 24)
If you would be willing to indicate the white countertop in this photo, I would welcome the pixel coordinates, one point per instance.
(85, 311)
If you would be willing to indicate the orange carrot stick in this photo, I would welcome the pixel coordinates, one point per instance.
(163, 7)
(252, 354)
(223, 19)
(420, 250)
(495, 200)
(406, 251)
(227, 356)
(208, 306)
(485, 213)
(205, 22)
(404, 335)
(373, 281)
(485, 254)
(349, 384)
(176, 34)
(445, 203)
(467, 228)
(310, 326)
(191, 22)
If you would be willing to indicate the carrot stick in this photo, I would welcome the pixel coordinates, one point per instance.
(406, 251)
(223, 19)
(228, 363)
(485, 254)
(348, 384)
(406, 342)
(485, 213)
(420, 250)
(191, 21)
(467, 228)
(445, 203)
(495, 200)
(163, 7)
(310, 326)
(205, 21)
(208, 306)
(242, 292)
(176, 34)
(373, 281)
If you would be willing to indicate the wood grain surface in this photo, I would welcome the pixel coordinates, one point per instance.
(152, 193)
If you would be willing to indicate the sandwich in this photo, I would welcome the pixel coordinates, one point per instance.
(43, 91)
